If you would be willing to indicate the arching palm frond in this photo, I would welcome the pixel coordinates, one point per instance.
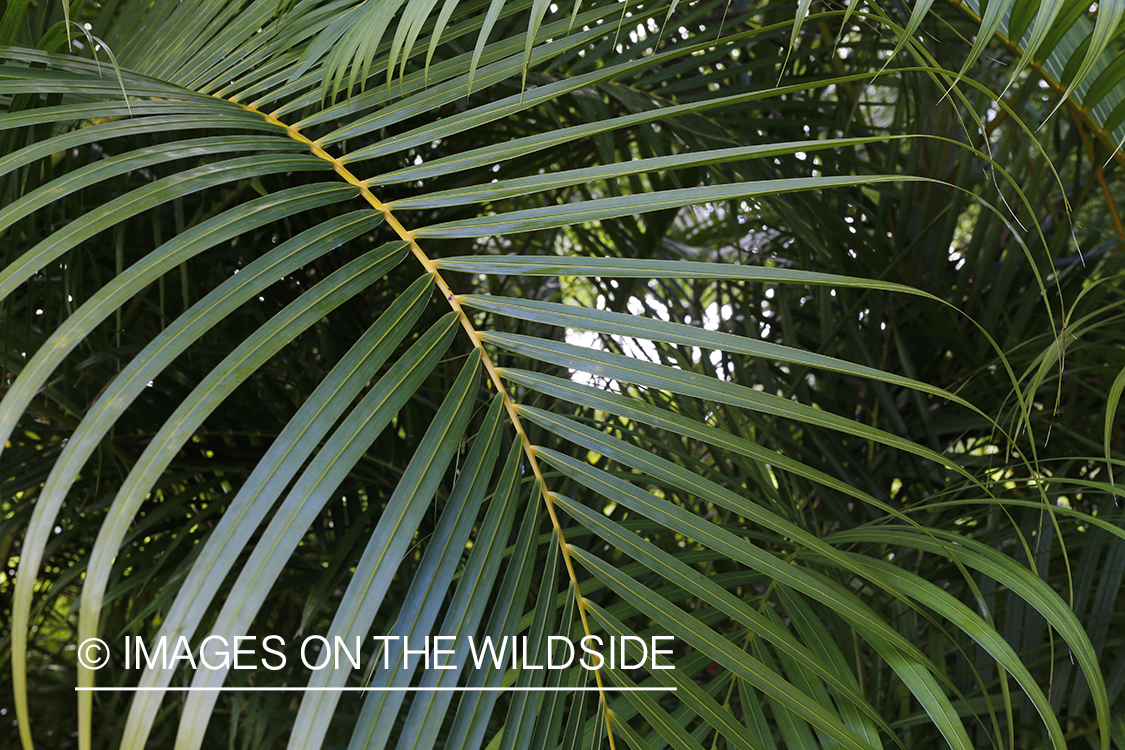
(788, 334)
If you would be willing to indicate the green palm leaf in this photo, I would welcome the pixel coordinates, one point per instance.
(758, 302)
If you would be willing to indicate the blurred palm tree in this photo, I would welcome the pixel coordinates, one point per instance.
(790, 331)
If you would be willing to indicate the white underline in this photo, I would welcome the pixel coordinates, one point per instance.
(374, 689)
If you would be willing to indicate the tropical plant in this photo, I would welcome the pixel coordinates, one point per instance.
(790, 331)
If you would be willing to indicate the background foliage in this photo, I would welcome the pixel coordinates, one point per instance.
(832, 399)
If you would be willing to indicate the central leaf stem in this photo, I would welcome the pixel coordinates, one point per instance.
(489, 366)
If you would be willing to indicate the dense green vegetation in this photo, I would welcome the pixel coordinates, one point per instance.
(793, 331)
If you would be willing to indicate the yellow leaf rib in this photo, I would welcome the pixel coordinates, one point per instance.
(493, 373)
